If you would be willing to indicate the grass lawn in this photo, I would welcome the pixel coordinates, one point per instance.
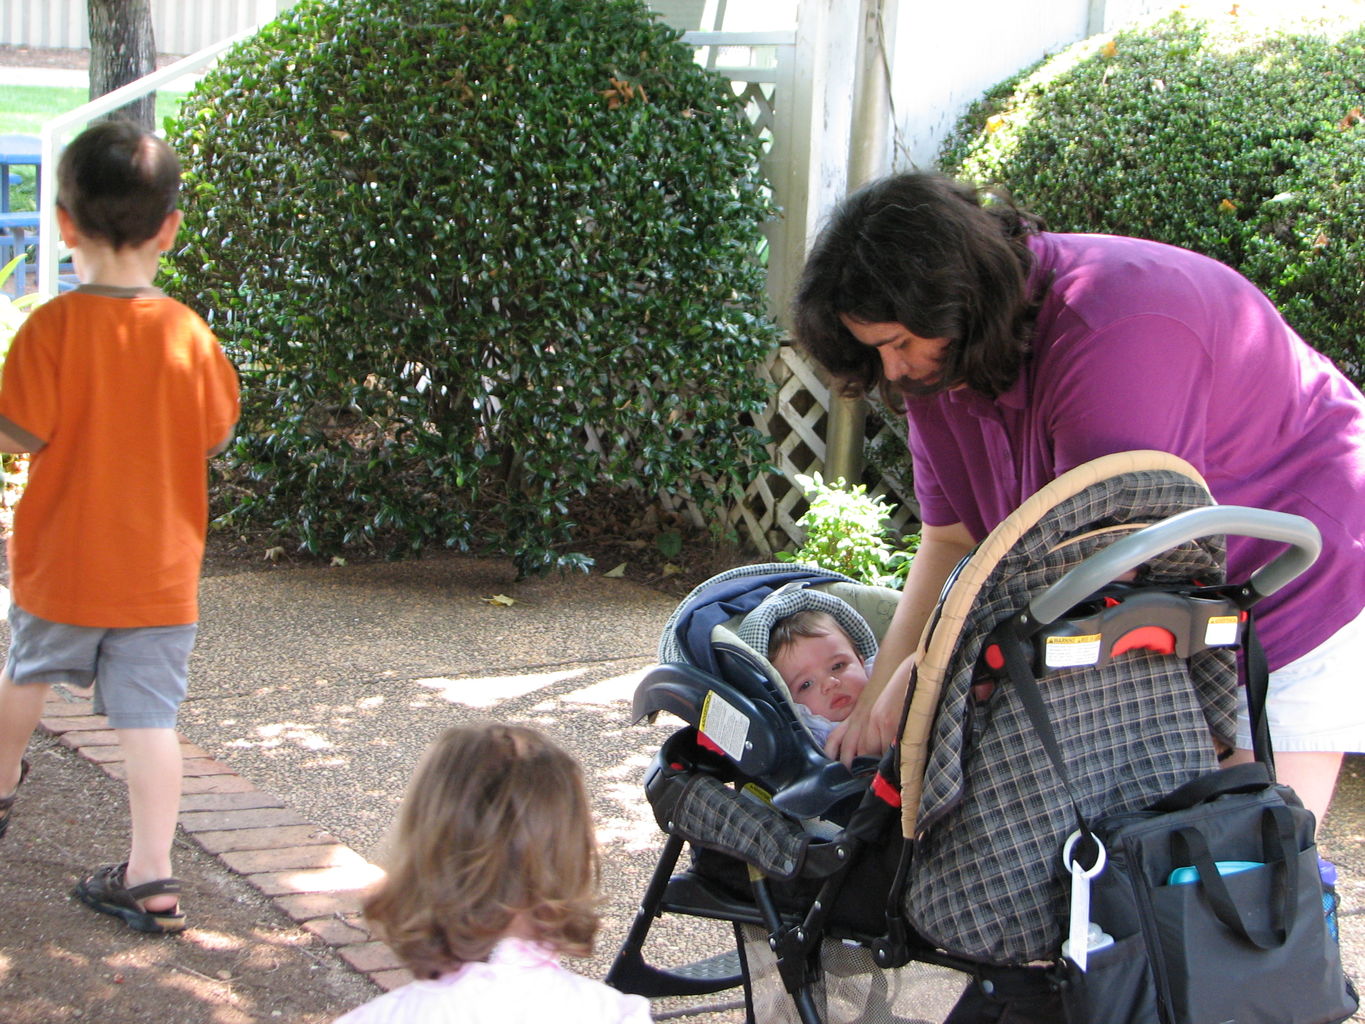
(25, 108)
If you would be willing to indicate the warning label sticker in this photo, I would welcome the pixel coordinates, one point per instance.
(1069, 651)
(1221, 631)
(724, 725)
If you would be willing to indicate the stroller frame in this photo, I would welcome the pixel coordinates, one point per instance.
(801, 886)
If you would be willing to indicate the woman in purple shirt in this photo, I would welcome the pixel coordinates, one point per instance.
(1020, 354)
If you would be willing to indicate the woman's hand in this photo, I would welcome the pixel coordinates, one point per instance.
(873, 725)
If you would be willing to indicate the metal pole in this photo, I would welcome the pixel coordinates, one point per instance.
(1095, 17)
(866, 161)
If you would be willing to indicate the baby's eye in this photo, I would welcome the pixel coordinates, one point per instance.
(803, 686)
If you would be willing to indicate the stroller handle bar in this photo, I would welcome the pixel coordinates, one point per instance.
(1107, 565)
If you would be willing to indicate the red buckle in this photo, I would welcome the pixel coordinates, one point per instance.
(707, 743)
(885, 791)
(1152, 638)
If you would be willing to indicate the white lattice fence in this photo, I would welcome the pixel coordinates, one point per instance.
(796, 422)
(887, 473)
(795, 419)
(760, 67)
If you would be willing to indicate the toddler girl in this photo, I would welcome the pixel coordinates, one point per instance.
(493, 877)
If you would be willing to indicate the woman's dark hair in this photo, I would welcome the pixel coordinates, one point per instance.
(923, 251)
(118, 182)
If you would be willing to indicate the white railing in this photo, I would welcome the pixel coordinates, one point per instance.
(761, 67)
(55, 131)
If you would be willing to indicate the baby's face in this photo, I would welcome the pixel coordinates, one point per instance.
(824, 673)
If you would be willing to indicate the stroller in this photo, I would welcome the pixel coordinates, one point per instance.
(928, 883)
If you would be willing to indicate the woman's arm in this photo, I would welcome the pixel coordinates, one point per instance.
(871, 727)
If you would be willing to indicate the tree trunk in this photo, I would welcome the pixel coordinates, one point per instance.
(122, 49)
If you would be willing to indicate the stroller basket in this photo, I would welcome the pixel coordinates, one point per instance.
(947, 852)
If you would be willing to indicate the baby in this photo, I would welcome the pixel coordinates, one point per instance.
(820, 664)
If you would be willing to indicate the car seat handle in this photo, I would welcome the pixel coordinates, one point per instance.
(1105, 566)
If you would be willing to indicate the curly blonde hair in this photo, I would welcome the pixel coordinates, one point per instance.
(495, 830)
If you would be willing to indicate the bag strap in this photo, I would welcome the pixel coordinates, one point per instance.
(1237, 778)
(1278, 847)
(1013, 646)
(1256, 678)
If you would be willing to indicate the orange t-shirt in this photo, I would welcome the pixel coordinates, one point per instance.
(128, 390)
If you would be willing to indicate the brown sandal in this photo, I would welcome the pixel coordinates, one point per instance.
(7, 804)
(108, 892)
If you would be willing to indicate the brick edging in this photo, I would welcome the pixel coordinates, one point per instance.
(311, 877)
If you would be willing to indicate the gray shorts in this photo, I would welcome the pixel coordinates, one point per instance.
(140, 673)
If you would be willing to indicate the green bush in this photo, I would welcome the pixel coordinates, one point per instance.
(475, 259)
(847, 531)
(1242, 141)
(13, 312)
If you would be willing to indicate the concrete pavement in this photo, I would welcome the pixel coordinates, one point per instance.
(314, 691)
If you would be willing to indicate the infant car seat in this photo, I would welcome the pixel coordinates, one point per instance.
(947, 855)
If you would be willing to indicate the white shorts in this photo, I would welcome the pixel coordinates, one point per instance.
(1318, 702)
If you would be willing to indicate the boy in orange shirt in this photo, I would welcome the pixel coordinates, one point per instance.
(120, 393)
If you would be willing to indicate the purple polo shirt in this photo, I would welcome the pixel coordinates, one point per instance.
(1143, 345)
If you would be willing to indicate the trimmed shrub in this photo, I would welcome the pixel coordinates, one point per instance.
(1241, 141)
(475, 259)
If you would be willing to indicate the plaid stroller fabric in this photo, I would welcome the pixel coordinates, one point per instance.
(713, 816)
(987, 812)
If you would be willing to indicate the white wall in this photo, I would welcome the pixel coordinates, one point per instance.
(947, 54)
(180, 26)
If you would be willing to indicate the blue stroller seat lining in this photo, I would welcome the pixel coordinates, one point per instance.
(715, 675)
(731, 616)
(731, 595)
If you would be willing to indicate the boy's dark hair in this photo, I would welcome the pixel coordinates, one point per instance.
(921, 250)
(118, 182)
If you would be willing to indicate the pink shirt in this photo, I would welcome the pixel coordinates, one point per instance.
(521, 983)
(1142, 345)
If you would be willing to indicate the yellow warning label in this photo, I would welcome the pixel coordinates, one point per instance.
(1068, 651)
(1221, 631)
(724, 724)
